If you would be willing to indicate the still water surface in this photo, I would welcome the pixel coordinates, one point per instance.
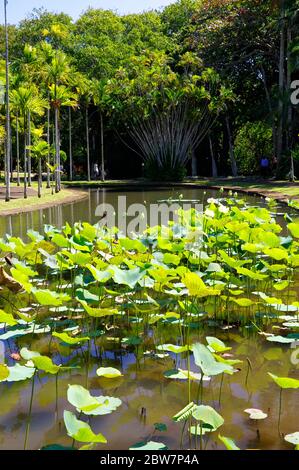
(143, 384)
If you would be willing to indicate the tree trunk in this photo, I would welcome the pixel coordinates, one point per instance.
(70, 144)
(57, 153)
(25, 159)
(102, 148)
(270, 107)
(18, 149)
(231, 148)
(290, 109)
(214, 164)
(8, 135)
(87, 143)
(194, 164)
(29, 151)
(281, 88)
(48, 142)
(39, 190)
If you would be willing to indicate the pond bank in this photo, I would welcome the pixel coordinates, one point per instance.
(20, 205)
(281, 191)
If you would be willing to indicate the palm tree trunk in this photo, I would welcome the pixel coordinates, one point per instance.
(281, 87)
(57, 152)
(87, 143)
(29, 152)
(48, 142)
(39, 190)
(102, 148)
(214, 164)
(231, 148)
(290, 110)
(18, 148)
(25, 159)
(70, 144)
(8, 135)
(270, 107)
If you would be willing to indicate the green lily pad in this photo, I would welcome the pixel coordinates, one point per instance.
(108, 372)
(83, 401)
(81, 431)
(151, 445)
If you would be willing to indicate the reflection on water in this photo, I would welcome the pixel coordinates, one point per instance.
(143, 384)
(18, 225)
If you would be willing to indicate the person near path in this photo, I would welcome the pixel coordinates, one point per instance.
(265, 167)
(96, 171)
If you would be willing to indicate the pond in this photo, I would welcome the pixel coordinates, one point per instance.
(18, 225)
(145, 309)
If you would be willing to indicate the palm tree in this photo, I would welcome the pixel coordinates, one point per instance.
(56, 73)
(27, 68)
(40, 150)
(8, 136)
(29, 103)
(60, 96)
(45, 54)
(85, 90)
(99, 97)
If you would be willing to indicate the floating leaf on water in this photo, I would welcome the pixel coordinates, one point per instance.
(291, 324)
(161, 427)
(180, 374)
(108, 372)
(81, 431)
(292, 438)
(173, 348)
(150, 445)
(279, 339)
(56, 447)
(255, 413)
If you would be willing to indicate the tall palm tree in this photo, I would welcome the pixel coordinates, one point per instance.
(8, 136)
(60, 96)
(27, 67)
(28, 102)
(56, 73)
(84, 90)
(40, 150)
(99, 98)
(45, 54)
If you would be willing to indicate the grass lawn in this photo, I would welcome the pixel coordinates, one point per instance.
(284, 188)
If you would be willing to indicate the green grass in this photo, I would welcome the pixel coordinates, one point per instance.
(285, 188)
(34, 202)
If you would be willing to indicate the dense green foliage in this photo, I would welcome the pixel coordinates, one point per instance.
(113, 71)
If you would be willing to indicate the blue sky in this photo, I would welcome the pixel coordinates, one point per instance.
(18, 9)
